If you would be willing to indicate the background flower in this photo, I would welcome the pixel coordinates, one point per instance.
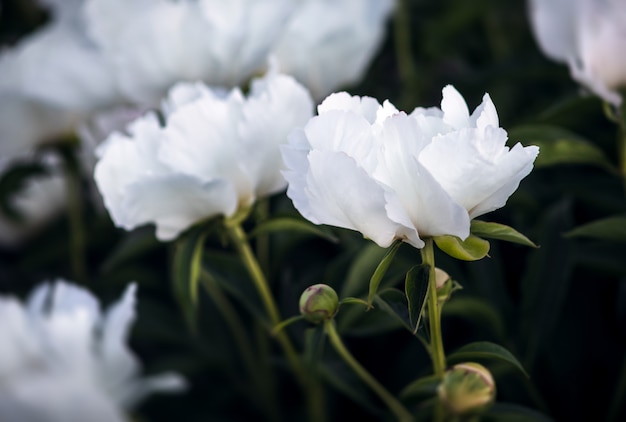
(367, 167)
(63, 359)
(329, 43)
(589, 36)
(218, 152)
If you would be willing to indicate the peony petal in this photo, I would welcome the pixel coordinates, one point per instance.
(175, 202)
(366, 107)
(340, 193)
(430, 209)
(276, 104)
(454, 107)
(472, 166)
(323, 49)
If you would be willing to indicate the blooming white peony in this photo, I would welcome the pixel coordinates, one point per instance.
(62, 359)
(588, 35)
(329, 43)
(368, 167)
(217, 153)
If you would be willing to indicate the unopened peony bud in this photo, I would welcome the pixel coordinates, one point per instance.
(445, 285)
(319, 302)
(467, 388)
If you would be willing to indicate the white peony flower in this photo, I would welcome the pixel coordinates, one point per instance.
(63, 360)
(589, 36)
(217, 153)
(329, 43)
(367, 167)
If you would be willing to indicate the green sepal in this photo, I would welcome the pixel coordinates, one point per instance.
(500, 232)
(485, 350)
(471, 249)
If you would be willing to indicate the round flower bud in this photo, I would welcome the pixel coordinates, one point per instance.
(467, 388)
(441, 277)
(319, 302)
(445, 285)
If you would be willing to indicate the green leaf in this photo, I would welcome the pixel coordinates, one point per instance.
(343, 379)
(294, 225)
(559, 146)
(425, 386)
(416, 288)
(612, 228)
(361, 269)
(393, 302)
(186, 268)
(382, 268)
(471, 249)
(499, 232)
(485, 350)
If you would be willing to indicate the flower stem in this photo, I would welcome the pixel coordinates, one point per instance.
(404, 55)
(394, 405)
(437, 354)
(75, 217)
(311, 388)
(436, 351)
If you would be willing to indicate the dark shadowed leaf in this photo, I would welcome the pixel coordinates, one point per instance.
(485, 350)
(416, 288)
(612, 228)
(559, 146)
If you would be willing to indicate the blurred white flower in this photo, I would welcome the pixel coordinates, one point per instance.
(217, 153)
(589, 36)
(367, 167)
(101, 54)
(152, 44)
(63, 360)
(329, 43)
(37, 202)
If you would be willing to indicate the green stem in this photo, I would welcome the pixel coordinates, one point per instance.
(437, 354)
(311, 388)
(75, 218)
(238, 331)
(401, 413)
(262, 240)
(404, 55)
(435, 348)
